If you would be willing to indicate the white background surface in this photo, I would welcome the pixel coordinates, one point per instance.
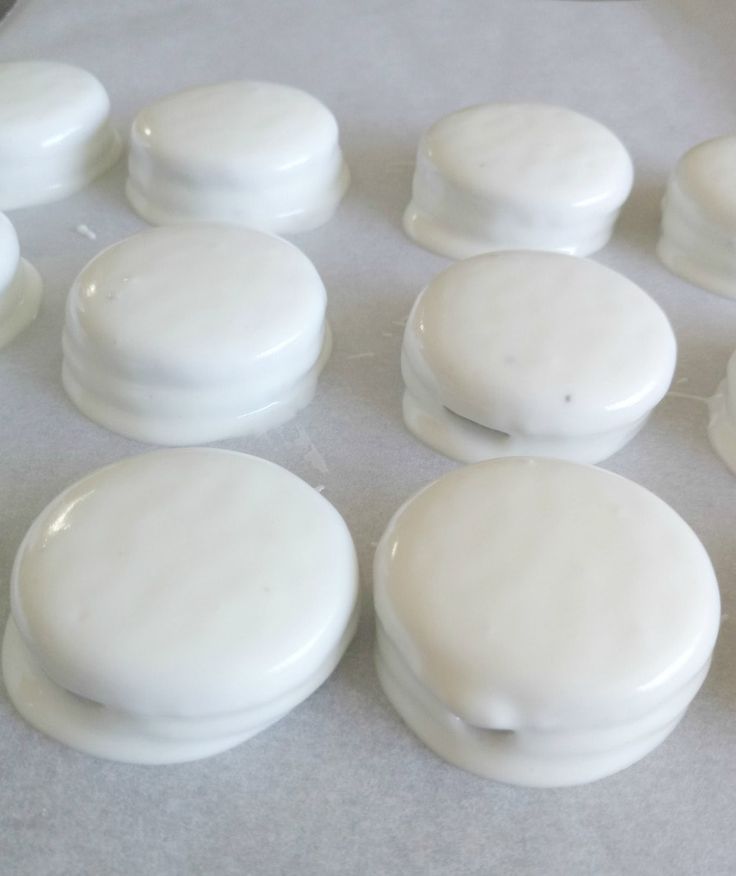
(340, 786)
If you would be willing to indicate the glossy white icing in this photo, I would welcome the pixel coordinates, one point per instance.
(533, 353)
(517, 176)
(20, 286)
(570, 639)
(698, 239)
(722, 421)
(173, 604)
(55, 133)
(251, 153)
(190, 334)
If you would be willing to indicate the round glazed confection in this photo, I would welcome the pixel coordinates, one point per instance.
(533, 354)
(540, 622)
(55, 133)
(722, 422)
(20, 286)
(517, 176)
(698, 240)
(172, 605)
(251, 153)
(189, 334)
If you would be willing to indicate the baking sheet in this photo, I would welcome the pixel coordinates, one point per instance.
(340, 786)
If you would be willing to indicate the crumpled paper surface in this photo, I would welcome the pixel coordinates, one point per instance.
(340, 786)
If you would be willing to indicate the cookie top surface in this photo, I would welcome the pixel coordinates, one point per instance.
(540, 591)
(198, 302)
(236, 129)
(46, 106)
(536, 154)
(185, 583)
(541, 344)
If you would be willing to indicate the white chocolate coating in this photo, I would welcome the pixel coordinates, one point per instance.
(722, 421)
(252, 153)
(55, 133)
(568, 640)
(532, 353)
(698, 239)
(20, 286)
(195, 333)
(173, 604)
(517, 176)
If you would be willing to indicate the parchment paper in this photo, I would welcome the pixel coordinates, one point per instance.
(341, 786)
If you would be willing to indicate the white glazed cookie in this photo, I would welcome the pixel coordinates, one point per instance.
(698, 240)
(172, 605)
(252, 153)
(190, 334)
(533, 354)
(722, 422)
(540, 622)
(20, 286)
(517, 176)
(55, 133)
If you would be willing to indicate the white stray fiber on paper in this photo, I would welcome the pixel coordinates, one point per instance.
(361, 356)
(310, 452)
(86, 231)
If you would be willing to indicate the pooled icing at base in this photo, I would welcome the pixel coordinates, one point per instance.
(159, 207)
(236, 598)
(55, 134)
(125, 737)
(517, 176)
(465, 441)
(510, 663)
(444, 238)
(698, 234)
(692, 263)
(537, 758)
(193, 420)
(258, 154)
